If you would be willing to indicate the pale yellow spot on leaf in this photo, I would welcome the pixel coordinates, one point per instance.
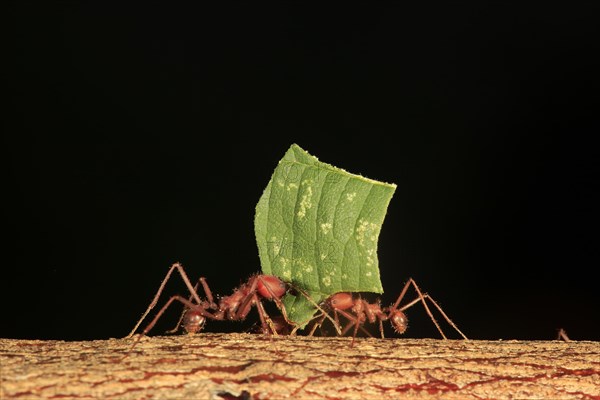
(365, 230)
(305, 202)
(326, 227)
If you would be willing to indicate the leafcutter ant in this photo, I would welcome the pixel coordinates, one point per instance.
(358, 311)
(234, 307)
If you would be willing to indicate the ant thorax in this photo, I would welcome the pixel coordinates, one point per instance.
(230, 304)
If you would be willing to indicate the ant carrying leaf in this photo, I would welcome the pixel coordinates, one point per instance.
(234, 307)
(358, 311)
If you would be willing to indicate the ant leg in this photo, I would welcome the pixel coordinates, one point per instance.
(179, 268)
(360, 320)
(246, 302)
(317, 324)
(185, 302)
(401, 296)
(562, 334)
(176, 328)
(336, 316)
(251, 299)
(351, 324)
(348, 326)
(208, 292)
(362, 328)
(352, 321)
(439, 308)
(422, 297)
(265, 320)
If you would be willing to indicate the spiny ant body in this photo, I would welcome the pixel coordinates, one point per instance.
(236, 306)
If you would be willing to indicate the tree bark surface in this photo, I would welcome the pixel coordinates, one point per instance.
(245, 366)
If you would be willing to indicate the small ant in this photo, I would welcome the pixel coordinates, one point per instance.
(358, 311)
(562, 335)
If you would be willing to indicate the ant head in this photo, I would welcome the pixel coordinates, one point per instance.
(270, 286)
(399, 321)
(341, 301)
(193, 321)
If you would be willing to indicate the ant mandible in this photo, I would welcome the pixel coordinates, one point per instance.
(358, 311)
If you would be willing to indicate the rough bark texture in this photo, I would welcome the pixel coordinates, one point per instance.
(243, 366)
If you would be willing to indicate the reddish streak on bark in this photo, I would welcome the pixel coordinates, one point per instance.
(268, 378)
(337, 374)
(432, 387)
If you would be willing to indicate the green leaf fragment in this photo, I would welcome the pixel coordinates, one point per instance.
(317, 227)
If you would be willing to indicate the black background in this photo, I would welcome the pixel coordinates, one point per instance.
(138, 137)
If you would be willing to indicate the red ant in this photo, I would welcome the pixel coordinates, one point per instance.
(234, 307)
(358, 311)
